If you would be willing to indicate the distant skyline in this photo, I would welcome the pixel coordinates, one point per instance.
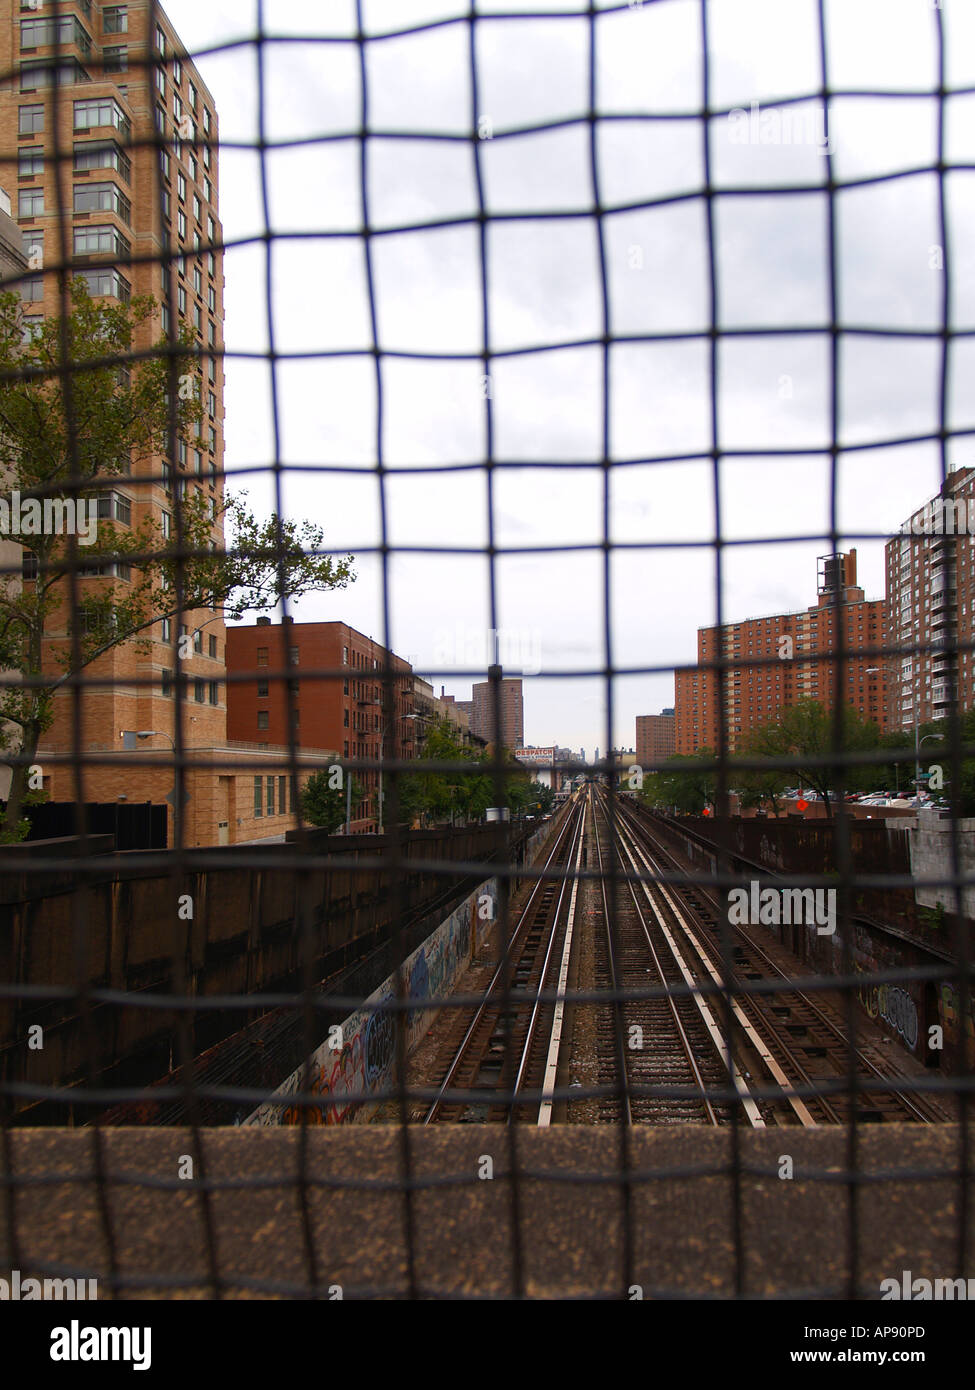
(771, 264)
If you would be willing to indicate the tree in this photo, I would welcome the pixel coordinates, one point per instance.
(74, 416)
(684, 782)
(440, 796)
(806, 731)
(324, 797)
(756, 787)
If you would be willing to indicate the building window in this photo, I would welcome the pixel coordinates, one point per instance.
(258, 799)
(115, 20)
(181, 299)
(161, 82)
(211, 230)
(262, 719)
(32, 325)
(167, 630)
(262, 656)
(177, 104)
(345, 719)
(211, 263)
(206, 156)
(102, 156)
(31, 120)
(99, 111)
(212, 299)
(116, 59)
(30, 202)
(197, 280)
(167, 684)
(177, 72)
(33, 247)
(198, 457)
(181, 184)
(32, 290)
(214, 693)
(29, 163)
(95, 241)
(197, 318)
(39, 33)
(160, 40)
(28, 565)
(270, 796)
(181, 223)
(102, 197)
(106, 282)
(115, 506)
(200, 691)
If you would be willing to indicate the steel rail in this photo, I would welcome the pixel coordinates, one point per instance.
(831, 1027)
(565, 833)
(681, 1031)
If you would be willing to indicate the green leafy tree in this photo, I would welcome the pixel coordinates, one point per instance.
(324, 797)
(760, 788)
(806, 731)
(684, 782)
(72, 421)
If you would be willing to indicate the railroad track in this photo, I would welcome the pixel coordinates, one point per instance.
(653, 1052)
(510, 1047)
(809, 1041)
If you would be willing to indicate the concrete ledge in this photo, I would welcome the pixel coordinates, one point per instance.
(795, 1232)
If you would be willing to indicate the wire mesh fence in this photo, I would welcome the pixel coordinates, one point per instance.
(216, 975)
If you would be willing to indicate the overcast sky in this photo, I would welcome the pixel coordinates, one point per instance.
(771, 264)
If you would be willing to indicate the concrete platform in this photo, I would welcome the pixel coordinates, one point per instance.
(794, 1231)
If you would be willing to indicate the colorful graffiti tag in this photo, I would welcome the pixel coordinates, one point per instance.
(895, 1006)
(365, 1062)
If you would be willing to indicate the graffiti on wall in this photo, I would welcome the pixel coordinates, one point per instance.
(950, 1004)
(365, 1062)
(894, 1006)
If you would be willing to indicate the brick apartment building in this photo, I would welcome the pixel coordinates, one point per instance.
(284, 664)
(793, 662)
(13, 263)
(138, 134)
(511, 728)
(656, 738)
(930, 570)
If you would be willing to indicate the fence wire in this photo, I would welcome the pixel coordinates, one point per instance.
(175, 1047)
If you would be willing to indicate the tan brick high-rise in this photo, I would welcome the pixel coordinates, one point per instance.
(137, 131)
(115, 197)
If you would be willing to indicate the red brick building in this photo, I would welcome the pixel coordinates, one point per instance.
(331, 679)
(656, 737)
(791, 652)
